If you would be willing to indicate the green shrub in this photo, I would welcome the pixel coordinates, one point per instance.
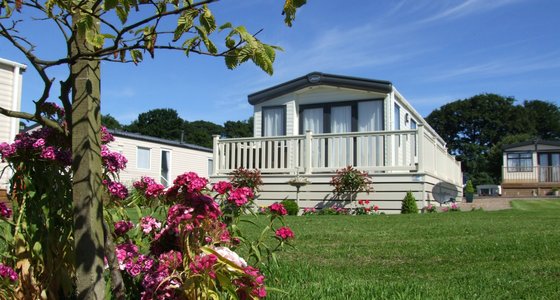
(350, 181)
(291, 206)
(469, 189)
(409, 204)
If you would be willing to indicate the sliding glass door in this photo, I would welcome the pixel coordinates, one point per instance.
(370, 149)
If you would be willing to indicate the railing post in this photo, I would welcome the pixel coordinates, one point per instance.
(308, 165)
(215, 154)
(420, 143)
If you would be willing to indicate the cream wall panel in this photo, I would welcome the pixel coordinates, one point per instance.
(182, 159)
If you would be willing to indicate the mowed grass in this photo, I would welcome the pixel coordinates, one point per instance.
(510, 254)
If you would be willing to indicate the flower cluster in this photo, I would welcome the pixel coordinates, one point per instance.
(430, 208)
(251, 285)
(222, 187)
(454, 207)
(204, 264)
(240, 196)
(122, 227)
(186, 184)
(149, 187)
(106, 136)
(278, 209)
(112, 161)
(5, 211)
(309, 211)
(284, 233)
(39, 144)
(149, 224)
(7, 272)
(116, 189)
(231, 256)
(365, 209)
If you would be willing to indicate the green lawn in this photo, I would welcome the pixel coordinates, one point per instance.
(511, 254)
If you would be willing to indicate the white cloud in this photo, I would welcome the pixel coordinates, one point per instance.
(466, 8)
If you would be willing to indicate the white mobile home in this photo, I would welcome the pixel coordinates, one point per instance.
(10, 98)
(318, 123)
(158, 158)
(531, 168)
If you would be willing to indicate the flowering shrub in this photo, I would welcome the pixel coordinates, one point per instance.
(365, 209)
(350, 181)
(334, 210)
(242, 177)
(191, 255)
(454, 207)
(430, 208)
(309, 211)
(41, 194)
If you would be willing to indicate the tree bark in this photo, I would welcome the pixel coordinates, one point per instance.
(87, 173)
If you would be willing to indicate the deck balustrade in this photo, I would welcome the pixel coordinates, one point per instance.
(375, 152)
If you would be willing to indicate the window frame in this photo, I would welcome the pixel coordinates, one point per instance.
(518, 168)
(284, 121)
(138, 158)
(327, 106)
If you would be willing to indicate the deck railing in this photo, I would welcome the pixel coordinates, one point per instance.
(375, 152)
(526, 174)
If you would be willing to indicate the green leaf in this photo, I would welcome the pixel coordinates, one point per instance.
(207, 20)
(110, 4)
(122, 14)
(226, 25)
(207, 42)
(289, 12)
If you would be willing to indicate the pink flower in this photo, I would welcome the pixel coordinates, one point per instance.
(231, 256)
(222, 187)
(149, 223)
(6, 150)
(39, 143)
(122, 227)
(48, 153)
(284, 233)
(204, 264)
(375, 208)
(278, 209)
(106, 136)
(112, 161)
(116, 189)
(240, 196)
(5, 211)
(7, 272)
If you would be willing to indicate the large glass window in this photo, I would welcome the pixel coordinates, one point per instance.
(520, 162)
(313, 120)
(274, 121)
(143, 158)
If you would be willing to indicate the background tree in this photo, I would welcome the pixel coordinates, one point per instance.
(200, 132)
(545, 117)
(473, 127)
(110, 122)
(138, 29)
(164, 123)
(237, 129)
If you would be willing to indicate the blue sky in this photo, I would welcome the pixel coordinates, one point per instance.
(434, 52)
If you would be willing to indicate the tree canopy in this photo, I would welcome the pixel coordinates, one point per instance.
(476, 128)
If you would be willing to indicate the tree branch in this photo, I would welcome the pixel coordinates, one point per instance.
(31, 117)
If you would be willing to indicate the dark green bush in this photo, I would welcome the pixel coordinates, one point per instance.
(291, 206)
(409, 204)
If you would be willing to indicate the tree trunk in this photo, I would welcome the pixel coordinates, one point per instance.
(87, 173)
